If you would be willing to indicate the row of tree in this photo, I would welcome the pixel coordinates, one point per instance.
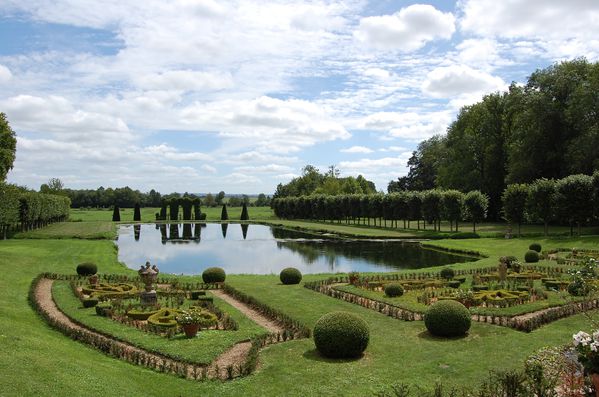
(23, 210)
(431, 206)
(547, 128)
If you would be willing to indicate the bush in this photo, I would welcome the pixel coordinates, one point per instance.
(577, 288)
(341, 335)
(90, 302)
(290, 275)
(447, 273)
(214, 275)
(195, 295)
(447, 318)
(393, 290)
(202, 216)
(464, 235)
(531, 256)
(87, 269)
(104, 309)
(535, 247)
(454, 284)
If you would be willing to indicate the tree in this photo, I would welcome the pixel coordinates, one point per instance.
(116, 214)
(8, 147)
(431, 207)
(540, 204)
(514, 203)
(224, 215)
(574, 199)
(244, 213)
(137, 213)
(452, 202)
(54, 186)
(209, 200)
(423, 166)
(476, 205)
(262, 200)
(220, 197)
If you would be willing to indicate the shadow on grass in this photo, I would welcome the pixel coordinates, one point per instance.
(314, 355)
(428, 336)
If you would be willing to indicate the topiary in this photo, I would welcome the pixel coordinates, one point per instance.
(535, 247)
(393, 290)
(290, 275)
(87, 269)
(341, 335)
(447, 318)
(531, 256)
(90, 302)
(447, 273)
(214, 275)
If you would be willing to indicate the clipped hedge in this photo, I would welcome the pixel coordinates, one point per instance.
(214, 275)
(447, 318)
(531, 256)
(164, 318)
(87, 269)
(290, 275)
(535, 247)
(393, 290)
(447, 273)
(341, 335)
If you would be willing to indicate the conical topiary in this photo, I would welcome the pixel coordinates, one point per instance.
(244, 213)
(224, 215)
(116, 214)
(137, 213)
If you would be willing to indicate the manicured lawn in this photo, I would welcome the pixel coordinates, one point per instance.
(40, 361)
(73, 230)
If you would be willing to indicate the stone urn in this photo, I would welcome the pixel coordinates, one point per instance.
(190, 330)
(148, 275)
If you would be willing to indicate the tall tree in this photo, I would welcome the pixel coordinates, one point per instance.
(540, 204)
(574, 199)
(8, 147)
(514, 203)
(476, 205)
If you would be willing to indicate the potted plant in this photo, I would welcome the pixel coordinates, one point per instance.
(587, 347)
(192, 320)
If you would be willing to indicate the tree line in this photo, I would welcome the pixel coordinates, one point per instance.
(24, 210)
(547, 128)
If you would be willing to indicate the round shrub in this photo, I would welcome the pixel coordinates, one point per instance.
(577, 288)
(87, 269)
(90, 302)
(290, 275)
(341, 335)
(214, 275)
(535, 247)
(447, 273)
(393, 290)
(531, 256)
(447, 318)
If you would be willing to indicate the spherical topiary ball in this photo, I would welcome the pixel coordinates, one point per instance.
(341, 335)
(290, 275)
(447, 273)
(214, 275)
(531, 256)
(535, 247)
(447, 318)
(87, 269)
(393, 290)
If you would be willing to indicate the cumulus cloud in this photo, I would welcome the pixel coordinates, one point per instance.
(5, 74)
(448, 81)
(185, 80)
(407, 30)
(357, 149)
(412, 126)
(263, 169)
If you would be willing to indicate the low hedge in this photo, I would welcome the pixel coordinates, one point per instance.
(447, 318)
(341, 335)
(164, 318)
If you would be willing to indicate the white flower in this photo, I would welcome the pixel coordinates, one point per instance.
(581, 338)
(594, 346)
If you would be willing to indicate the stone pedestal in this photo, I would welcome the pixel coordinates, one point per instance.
(148, 298)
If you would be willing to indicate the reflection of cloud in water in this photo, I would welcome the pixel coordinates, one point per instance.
(265, 250)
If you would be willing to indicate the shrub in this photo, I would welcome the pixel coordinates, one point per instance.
(447, 318)
(202, 216)
(454, 284)
(290, 275)
(447, 273)
(393, 290)
(531, 256)
(535, 247)
(577, 288)
(104, 309)
(90, 302)
(195, 295)
(87, 269)
(341, 335)
(464, 235)
(214, 275)
(116, 214)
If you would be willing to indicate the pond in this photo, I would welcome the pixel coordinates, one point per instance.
(259, 249)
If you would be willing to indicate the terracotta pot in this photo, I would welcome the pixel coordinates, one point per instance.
(190, 329)
(595, 379)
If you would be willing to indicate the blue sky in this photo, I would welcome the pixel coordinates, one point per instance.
(202, 95)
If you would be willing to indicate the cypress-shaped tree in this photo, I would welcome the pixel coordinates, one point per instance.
(137, 213)
(224, 215)
(244, 213)
(116, 214)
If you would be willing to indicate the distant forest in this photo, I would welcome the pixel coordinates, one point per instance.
(548, 128)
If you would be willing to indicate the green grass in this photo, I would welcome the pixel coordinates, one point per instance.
(92, 230)
(40, 361)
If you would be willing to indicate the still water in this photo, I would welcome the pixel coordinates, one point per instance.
(259, 249)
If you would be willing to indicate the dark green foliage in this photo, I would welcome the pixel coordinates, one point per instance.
(514, 203)
(574, 199)
(447, 318)
(540, 204)
(104, 308)
(290, 275)
(244, 213)
(454, 284)
(202, 216)
(214, 275)
(464, 236)
(116, 214)
(341, 335)
(90, 302)
(393, 290)
(531, 256)
(476, 205)
(447, 273)
(195, 295)
(87, 269)
(137, 213)
(174, 209)
(224, 215)
(535, 247)
(577, 288)
(8, 147)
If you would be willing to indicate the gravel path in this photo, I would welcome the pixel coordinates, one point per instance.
(254, 315)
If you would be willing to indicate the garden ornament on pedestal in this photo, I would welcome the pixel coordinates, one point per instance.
(148, 275)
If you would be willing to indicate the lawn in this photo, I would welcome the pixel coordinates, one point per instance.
(40, 361)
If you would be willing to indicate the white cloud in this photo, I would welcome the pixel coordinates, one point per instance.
(407, 30)
(266, 169)
(208, 168)
(357, 149)
(5, 74)
(412, 126)
(444, 82)
(185, 80)
(164, 151)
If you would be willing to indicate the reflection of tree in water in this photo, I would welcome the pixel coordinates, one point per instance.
(136, 232)
(171, 232)
(395, 254)
(224, 227)
(244, 230)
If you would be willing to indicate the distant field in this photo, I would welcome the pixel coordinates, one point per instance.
(93, 230)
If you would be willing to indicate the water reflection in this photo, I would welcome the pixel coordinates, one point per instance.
(265, 250)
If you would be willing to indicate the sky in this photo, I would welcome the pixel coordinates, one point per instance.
(203, 95)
